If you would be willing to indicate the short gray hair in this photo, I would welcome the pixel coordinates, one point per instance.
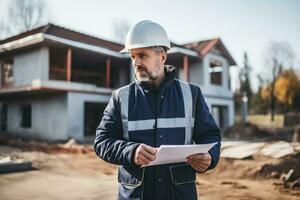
(159, 49)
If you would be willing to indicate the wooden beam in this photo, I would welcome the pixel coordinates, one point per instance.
(69, 64)
(186, 68)
(108, 63)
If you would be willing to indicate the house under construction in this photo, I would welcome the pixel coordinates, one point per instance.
(56, 82)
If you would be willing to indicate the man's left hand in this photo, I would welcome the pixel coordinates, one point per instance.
(200, 162)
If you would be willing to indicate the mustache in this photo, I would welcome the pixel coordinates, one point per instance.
(141, 67)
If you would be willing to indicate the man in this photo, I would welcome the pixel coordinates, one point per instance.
(157, 109)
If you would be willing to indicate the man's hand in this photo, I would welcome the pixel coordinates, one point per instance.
(144, 154)
(200, 162)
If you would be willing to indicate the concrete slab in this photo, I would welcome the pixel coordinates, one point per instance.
(15, 166)
(242, 151)
(226, 144)
(296, 146)
(278, 149)
(5, 160)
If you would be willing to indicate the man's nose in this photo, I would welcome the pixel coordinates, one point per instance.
(137, 62)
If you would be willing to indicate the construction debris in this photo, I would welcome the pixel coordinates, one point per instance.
(242, 151)
(278, 150)
(5, 160)
(246, 131)
(71, 143)
(8, 165)
(286, 176)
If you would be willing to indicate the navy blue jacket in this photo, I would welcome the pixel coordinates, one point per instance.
(153, 116)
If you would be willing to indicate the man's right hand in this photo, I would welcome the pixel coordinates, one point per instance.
(144, 154)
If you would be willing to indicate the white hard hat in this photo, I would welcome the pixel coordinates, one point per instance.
(146, 33)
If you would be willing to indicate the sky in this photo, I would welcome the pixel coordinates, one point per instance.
(243, 25)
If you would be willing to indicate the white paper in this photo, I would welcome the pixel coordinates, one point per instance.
(178, 153)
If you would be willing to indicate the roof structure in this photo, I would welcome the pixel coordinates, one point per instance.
(58, 34)
(205, 46)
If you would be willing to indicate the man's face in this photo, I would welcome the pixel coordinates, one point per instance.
(147, 63)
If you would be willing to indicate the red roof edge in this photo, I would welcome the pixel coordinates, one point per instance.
(205, 46)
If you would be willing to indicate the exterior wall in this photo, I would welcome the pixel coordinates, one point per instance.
(30, 65)
(75, 113)
(57, 117)
(214, 94)
(196, 73)
(48, 118)
(222, 102)
(215, 90)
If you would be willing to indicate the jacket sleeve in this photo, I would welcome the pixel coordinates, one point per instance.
(109, 144)
(205, 129)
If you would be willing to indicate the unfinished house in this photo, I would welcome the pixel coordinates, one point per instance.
(55, 82)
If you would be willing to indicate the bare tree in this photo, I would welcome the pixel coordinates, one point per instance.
(279, 55)
(22, 15)
(120, 30)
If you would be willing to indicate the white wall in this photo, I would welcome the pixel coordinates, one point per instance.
(222, 102)
(215, 90)
(29, 65)
(76, 111)
(49, 118)
(196, 73)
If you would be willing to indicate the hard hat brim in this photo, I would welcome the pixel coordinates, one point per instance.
(125, 50)
(138, 46)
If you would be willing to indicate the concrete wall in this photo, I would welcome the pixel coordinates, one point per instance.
(55, 117)
(222, 102)
(49, 118)
(76, 111)
(29, 65)
(216, 90)
(214, 94)
(196, 73)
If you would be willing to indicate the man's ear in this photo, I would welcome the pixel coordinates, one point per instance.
(163, 57)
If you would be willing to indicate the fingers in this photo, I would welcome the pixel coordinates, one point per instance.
(201, 157)
(148, 155)
(198, 168)
(200, 162)
(144, 154)
(149, 149)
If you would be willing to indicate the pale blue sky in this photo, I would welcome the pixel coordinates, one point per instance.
(242, 25)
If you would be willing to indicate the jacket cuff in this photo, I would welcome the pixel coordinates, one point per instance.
(214, 159)
(131, 154)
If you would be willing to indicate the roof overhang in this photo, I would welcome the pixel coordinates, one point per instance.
(41, 37)
(184, 51)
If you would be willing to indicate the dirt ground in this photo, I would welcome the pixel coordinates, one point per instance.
(61, 174)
